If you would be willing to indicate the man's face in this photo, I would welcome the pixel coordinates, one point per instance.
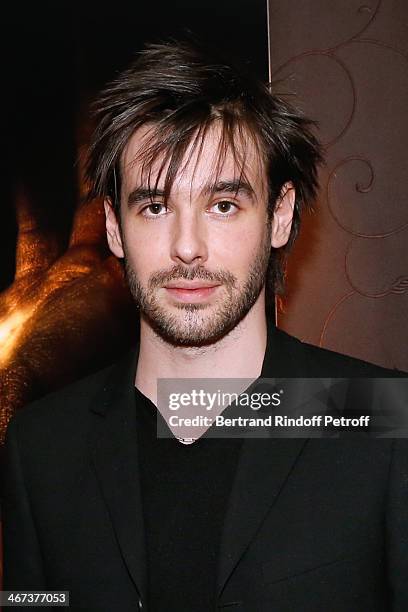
(197, 265)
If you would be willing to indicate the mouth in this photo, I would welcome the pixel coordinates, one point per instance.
(192, 292)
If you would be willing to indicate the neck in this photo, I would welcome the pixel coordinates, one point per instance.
(239, 354)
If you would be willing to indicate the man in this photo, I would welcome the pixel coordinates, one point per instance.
(204, 174)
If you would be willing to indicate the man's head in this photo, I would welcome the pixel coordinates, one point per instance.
(204, 174)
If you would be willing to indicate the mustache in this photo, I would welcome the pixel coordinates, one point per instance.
(180, 272)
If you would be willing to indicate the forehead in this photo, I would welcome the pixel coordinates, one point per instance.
(208, 157)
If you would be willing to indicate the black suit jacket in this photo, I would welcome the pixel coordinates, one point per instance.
(318, 525)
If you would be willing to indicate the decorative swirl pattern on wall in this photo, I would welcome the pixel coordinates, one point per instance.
(343, 120)
(364, 8)
(388, 275)
(363, 186)
(348, 74)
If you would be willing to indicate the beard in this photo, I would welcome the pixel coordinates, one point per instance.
(195, 327)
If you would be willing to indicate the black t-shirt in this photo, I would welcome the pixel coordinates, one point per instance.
(185, 490)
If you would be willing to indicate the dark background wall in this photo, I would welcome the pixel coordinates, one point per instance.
(58, 54)
(347, 63)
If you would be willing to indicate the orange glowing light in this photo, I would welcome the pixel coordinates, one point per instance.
(11, 328)
(52, 315)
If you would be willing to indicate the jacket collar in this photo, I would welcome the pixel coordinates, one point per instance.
(264, 464)
(113, 452)
(284, 356)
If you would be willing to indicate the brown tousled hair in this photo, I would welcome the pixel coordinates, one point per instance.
(181, 89)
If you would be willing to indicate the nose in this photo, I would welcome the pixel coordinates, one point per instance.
(189, 240)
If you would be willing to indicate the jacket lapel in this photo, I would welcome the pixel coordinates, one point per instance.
(113, 447)
(263, 467)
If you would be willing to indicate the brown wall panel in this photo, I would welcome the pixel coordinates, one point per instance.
(346, 63)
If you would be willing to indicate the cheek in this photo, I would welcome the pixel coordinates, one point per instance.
(145, 251)
(237, 249)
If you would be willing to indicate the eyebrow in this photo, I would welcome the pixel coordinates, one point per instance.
(141, 194)
(236, 186)
(233, 186)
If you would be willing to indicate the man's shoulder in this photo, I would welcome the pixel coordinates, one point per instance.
(321, 362)
(68, 407)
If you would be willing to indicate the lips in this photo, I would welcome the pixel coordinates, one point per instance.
(190, 286)
(191, 292)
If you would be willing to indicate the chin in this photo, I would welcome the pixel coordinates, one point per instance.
(201, 330)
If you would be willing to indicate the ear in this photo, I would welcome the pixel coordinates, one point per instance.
(283, 216)
(112, 229)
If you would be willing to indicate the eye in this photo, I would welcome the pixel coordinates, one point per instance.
(225, 208)
(156, 209)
